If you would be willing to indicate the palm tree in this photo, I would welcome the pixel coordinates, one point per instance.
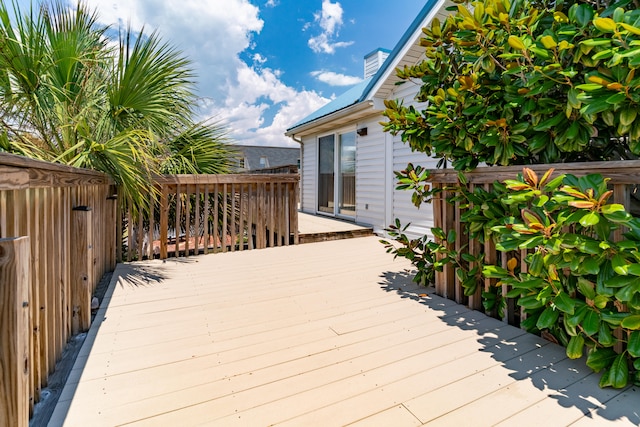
(69, 94)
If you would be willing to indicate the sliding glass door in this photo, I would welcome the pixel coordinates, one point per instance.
(326, 174)
(337, 174)
(347, 174)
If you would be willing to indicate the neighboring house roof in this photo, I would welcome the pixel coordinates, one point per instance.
(277, 156)
(406, 52)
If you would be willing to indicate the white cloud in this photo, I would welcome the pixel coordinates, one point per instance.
(330, 21)
(214, 37)
(243, 110)
(259, 59)
(335, 79)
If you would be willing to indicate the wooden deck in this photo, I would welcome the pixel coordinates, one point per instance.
(324, 334)
(317, 228)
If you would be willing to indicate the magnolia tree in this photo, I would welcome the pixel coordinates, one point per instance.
(524, 82)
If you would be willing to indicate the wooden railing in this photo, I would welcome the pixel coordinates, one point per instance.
(624, 175)
(193, 214)
(57, 239)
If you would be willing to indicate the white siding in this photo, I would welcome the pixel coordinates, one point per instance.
(421, 219)
(370, 176)
(309, 175)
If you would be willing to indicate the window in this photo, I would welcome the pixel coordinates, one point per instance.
(264, 162)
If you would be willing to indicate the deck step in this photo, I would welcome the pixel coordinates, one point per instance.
(335, 235)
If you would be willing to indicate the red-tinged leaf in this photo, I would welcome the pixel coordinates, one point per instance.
(582, 204)
(530, 217)
(545, 177)
(603, 199)
(573, 192)
(530, 176)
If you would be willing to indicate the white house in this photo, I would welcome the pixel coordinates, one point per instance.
(348, 161)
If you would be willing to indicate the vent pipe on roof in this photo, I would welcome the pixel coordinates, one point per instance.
(373, 61)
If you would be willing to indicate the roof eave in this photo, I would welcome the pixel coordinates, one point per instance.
(309, 127)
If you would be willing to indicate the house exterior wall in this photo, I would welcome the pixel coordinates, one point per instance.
(370, 175)
(309, 175)
(401, 206)
(378, 155)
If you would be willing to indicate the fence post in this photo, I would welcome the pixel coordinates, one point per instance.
(81, 268)
(15, 261)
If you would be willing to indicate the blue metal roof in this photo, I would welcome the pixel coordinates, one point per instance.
(360, 92)
(415, 25)
(345, 100)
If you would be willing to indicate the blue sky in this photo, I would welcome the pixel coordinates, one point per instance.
(265, 64)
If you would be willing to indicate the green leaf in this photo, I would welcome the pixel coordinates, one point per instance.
(619, 372)
(588, 87)
(530, 302)
(494, 272)
(614, 319)
(532, 242)
(601, 301)
(451, 236)
(616, 98)
(590, 219)
(548, 318)
(590, 265)
(565, 303)
(575, 347)
(619, 265)
(633, 345)
(586, 288)
(600, 358)
(631, 322)
(605, 336)
(591, 322)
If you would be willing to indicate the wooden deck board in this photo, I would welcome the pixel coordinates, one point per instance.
(330, 333)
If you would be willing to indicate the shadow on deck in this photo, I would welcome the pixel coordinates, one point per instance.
(331, 333)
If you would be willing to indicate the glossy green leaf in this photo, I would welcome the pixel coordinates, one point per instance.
(605, 335)
(631, 322)
(591, 322)
(601, 301)
(564, 303)
(548, 318)
(590, 219)
(494, 272)
(600, 358)
(530, 302)
(619, 372)
(575, 347)
(590, 265)
(633, 345)
(586, 288)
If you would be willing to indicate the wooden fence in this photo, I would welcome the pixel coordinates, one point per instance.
(59, 229)
(624, 175)
(192, 214)
(57, 239)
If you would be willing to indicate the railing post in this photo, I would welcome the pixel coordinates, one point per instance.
(81, 268)
(15, 260)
